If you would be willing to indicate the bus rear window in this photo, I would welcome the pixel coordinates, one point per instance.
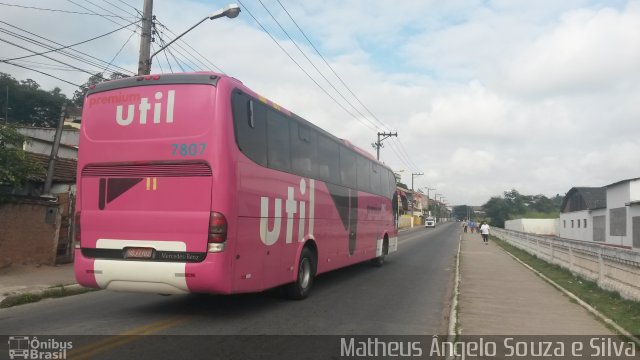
(149, 112)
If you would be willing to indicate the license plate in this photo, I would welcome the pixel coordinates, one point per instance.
(138, 253)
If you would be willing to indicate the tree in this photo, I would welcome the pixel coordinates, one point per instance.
(15, 167)
(514, 205)
(28, 104)
(95, 79)
(463, 211)
(497, 210)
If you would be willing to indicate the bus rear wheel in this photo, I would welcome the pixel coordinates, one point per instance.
(379, 261)
(301, 288)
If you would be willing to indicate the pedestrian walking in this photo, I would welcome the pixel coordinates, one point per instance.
(464, 226)
(484, 230)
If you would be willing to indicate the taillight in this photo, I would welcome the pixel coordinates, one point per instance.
(217, 228)
(77, 227)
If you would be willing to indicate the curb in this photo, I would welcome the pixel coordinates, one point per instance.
(453, 315)
(41, 293)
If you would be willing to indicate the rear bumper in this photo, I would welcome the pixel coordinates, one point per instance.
(154, 277)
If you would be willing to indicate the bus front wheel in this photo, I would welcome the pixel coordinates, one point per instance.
(300, 289)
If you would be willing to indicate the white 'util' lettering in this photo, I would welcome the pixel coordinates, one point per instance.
(129, 119)
(143, 110)
(270, 237)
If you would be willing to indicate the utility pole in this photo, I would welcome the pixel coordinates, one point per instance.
(6, 109)
(428, 207)
(378, 144)
(54, 152)
(412, 195)
(144, 61)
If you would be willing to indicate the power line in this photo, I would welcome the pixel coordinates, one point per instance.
(329, 66)
(315, 67)
(400, 151)
(105, 17)
(58, 61)
(190, 47)
(303, 70)
(119, 51)
(42, 65)
(43, 73)
(68, 46)
(159, 64)
(54, 10)
(121, 9)
(167, 59)
(133, 7)
(107, 10)
(73, 56)
(184, 59)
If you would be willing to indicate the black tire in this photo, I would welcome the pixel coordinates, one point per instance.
(379, 261)
(301, 288)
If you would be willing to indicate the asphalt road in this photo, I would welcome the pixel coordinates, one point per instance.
(409, 295)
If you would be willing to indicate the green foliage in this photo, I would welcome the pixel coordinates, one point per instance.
(28, 105)
(515, 205)
(462, 211)
(78, 95)
(15, 168)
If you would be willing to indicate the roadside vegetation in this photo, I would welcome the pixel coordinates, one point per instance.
(52, 292)
(625, 313)
(511, 205)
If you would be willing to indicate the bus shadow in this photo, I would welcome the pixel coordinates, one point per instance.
(240, 305)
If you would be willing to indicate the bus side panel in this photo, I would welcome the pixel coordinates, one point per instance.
(272, 223)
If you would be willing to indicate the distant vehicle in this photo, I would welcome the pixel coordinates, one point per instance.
(430, 222)
(193, 183)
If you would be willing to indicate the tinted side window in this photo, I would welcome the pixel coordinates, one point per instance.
(392, 183)
(251, 136)
(303, 150)
(328, 159)
(348, 167)
(364, 174)
(278, 149)
(375, 179)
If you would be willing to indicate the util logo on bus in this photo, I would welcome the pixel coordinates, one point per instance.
(144, 107)
(292, 207)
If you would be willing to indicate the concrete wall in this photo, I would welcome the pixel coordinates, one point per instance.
(534, 226)
(41, 141)
(44, 147)
(29, 233)
(612, 268)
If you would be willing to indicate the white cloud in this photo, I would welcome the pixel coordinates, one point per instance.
(485, 95)
(589, 51)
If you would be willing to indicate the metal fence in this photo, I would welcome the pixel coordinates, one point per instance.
(612, 268)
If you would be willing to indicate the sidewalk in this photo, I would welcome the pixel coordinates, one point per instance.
(23, 279)
(499, 296)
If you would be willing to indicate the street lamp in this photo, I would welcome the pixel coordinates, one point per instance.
(231, 11)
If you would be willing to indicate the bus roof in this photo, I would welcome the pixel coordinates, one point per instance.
(212, 78)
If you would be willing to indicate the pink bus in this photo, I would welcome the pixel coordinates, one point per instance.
(192, 183)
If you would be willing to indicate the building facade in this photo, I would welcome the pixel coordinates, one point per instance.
(608, 215)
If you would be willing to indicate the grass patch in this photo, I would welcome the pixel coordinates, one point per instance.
(625, 313)
(53, 292)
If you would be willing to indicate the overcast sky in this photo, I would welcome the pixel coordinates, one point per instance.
(486, 96)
